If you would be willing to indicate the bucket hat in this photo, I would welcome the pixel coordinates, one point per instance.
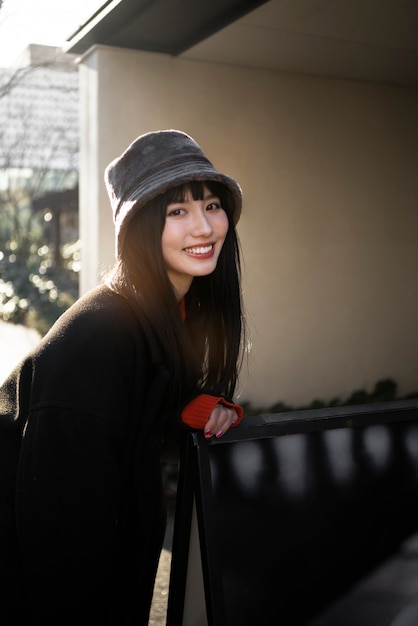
(152, 163)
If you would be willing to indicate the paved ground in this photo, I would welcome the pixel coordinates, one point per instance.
(15, 342)
(159, 604)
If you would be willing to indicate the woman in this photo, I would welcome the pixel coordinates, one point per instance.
(156, 346)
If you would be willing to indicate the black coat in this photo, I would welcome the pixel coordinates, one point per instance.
(89, 507)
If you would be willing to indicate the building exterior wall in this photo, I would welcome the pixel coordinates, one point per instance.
(39, 113)
(329, 228)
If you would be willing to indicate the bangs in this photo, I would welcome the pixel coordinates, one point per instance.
(196, 189)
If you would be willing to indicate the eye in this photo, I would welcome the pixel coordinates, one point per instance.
(175, 212)
(214, 205)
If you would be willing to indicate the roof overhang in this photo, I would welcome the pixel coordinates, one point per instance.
(165, 26)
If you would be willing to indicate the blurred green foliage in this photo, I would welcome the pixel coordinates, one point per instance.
(34, 289)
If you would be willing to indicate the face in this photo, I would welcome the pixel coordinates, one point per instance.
(192, 239)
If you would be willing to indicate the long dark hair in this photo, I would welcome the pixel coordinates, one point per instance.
(204, 352)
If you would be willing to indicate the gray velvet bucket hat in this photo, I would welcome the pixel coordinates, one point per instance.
(153, 163)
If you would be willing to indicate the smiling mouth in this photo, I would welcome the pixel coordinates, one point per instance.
(199, 249)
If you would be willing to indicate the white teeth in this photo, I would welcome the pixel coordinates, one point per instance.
(199, 250)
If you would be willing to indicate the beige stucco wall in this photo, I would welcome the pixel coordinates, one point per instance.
(329, 170)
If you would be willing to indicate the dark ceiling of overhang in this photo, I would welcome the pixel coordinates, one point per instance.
(166, 26)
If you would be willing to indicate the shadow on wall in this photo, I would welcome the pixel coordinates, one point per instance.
(385, 390)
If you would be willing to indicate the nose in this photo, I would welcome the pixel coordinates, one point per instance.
(201, 226)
